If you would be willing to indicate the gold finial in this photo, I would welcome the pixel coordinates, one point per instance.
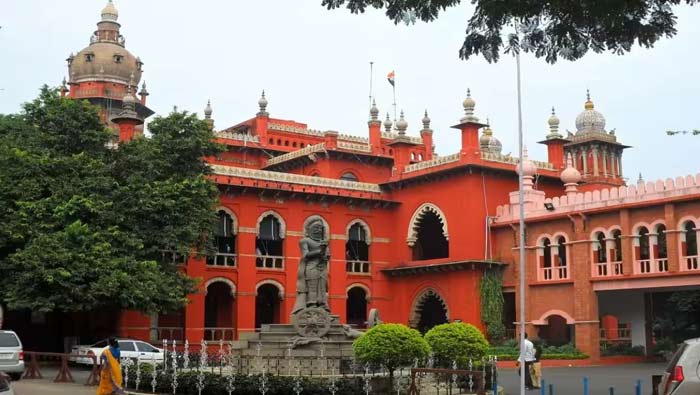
(589, 103)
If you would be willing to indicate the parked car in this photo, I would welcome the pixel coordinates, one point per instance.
(5, 386)
(682, 375)
(11, 355)
(129, 348)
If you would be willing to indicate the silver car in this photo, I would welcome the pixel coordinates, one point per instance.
(682, 375)
(11, 355)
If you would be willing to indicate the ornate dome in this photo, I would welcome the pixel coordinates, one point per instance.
(110, 13)
(590, 120)
(488, 142)
(529, 167)
(104, 61)
(401, 124)
(570, 175)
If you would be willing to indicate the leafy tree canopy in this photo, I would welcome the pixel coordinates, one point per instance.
(550, 29)
(87, 226)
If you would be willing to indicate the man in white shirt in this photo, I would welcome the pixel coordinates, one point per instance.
(527, 357)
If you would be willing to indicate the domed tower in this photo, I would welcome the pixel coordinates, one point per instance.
(104, 71)
(595, 152)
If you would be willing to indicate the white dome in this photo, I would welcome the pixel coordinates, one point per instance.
(529, 167)
(570, 176)
(590, 120)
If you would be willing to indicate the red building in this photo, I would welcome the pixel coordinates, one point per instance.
(410, 232)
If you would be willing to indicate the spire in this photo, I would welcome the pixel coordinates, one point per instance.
(207, 110)
(469, 105)
(553, 122)
(589, 104)
(374, 111)
(401, 125)
(143, 91)
(426, 121)
(64, 88)
(387, 124)
(262, 103)
(109, 12)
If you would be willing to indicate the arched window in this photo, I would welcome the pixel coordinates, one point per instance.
(269, 244)
(661, 241)
(562, 263)
(224, 241)
(602, 253)
(643, 234)
(413, 156)
(617, 236)
(357, 250)
(294, 144)
(431, 242)
(546, 259)
(347, 176)
(691, 239)
(356, 307)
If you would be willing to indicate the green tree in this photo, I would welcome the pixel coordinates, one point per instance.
(550, 29)
(458, 342)
(86, 226)
(391, 346)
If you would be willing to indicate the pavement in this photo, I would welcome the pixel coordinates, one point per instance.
(564, 381)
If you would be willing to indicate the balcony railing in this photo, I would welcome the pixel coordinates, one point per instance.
(651, 266)
(357, 267)
(691, 263)
(219, 333)
(222, 259)
(554, 273)
(607, 269)
(269, 262)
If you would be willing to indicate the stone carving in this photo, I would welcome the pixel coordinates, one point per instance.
(351, 333)
(311, 323)
(373, 319)
(312, 275)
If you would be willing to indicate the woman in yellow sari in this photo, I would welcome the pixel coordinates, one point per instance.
(111, 372)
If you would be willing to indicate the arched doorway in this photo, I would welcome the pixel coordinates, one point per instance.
(218, 311)
(430, 243)
(428, 311)
(267, 305)
(356, 307)
(557, 332)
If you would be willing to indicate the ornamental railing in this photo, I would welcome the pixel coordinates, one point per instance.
(222, 259)
(690, 263)
(269, 262)
(357, 267)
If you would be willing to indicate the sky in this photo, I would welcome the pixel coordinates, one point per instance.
(314, 65)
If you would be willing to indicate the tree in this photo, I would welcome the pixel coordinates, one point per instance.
(391, 346)
(550, 29)
(457, 342)
(86, 226)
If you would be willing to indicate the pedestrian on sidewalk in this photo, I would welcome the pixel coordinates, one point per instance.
(527, 357)
(111, 372)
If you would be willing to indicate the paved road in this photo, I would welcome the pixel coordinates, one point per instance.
(569, 381)
(566, 381)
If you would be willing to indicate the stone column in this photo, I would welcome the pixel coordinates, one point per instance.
(595, 160)
(619, 164)
(672, 244)
(605, 162)
(627, 243)
(584, 153)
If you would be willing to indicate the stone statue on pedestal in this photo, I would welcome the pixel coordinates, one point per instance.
(311, 313)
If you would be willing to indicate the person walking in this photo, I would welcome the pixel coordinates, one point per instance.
(536, 368)
(110, 373)
(527, 357)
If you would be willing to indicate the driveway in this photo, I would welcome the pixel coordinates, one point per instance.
(569, 381)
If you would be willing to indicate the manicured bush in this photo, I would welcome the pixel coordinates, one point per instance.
(510, 351)
(457, 342)
(391, 346)
(609, 349)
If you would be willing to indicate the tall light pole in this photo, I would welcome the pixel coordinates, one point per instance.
(521, 226)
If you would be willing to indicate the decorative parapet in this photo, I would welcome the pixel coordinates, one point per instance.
(607, 198)
(432, 163)
(237, 136)
(354, 146)
(394, 136)
(593, 135)
(296, 154)
(294, 129)
(353, 139)
(495, 157)
(294, 178)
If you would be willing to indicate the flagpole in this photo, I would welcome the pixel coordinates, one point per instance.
(371, 67)
(393, 89)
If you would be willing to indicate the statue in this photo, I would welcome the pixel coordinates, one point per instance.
(312, 276)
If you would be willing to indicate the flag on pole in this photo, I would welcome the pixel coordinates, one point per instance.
(390, 77)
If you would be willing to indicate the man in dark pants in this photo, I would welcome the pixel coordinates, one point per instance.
(527, 356)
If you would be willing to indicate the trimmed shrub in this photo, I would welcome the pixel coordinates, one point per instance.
(391, 346)
(458, 342)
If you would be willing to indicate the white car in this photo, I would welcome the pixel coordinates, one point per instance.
(11, 355)
(129, 348)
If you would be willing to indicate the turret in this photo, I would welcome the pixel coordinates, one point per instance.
(426, 135)
(375, 129)
(469, 126)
